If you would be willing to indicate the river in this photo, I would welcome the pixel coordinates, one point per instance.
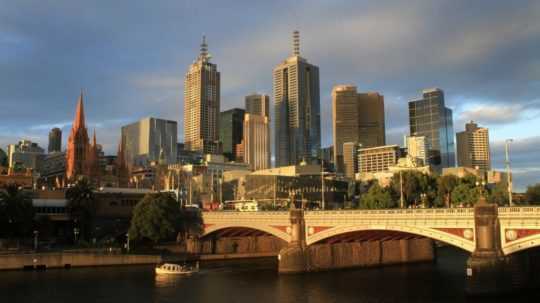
(245, 282)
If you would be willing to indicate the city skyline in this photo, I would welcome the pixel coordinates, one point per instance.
(471, 90)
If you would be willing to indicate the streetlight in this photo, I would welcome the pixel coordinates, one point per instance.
(127, 242)
(401, 200)
(322, 185)
(508, 169)
(76, 234)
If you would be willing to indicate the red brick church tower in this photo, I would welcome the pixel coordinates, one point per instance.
(81, 157)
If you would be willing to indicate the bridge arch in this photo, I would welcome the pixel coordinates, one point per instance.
(276, 232)
(467, 245)
(521, 244)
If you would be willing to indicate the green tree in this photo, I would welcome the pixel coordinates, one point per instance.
(16, 211)
(464, 195)
(81, 205)
(498, 194)
(377, 198)
(533, 194)
(156, 217)
(412, 187)
(445, 186)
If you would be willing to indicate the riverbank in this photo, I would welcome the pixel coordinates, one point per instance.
(72, 259)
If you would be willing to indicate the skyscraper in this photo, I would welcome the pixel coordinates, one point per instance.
(231, 125)
(78, 145)
(473, 147)
(430, 117)
(256, 141)
(202, 104)
(55, 140)
(145, 140)
(296, 109)
(356, 117)
(258, 104)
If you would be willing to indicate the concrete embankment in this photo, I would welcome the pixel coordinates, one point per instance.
(369, 253)
(63, 260)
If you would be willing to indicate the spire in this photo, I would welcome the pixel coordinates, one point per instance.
(296, 43)
(94, 139)
(204, 48)
(79, 113)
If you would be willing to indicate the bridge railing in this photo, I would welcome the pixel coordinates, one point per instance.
(519, 211)
(419, 212)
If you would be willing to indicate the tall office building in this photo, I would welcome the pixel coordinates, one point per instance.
(202, 105)
(258, 104)
(256, 141)
(418, 149)
(296, 109)
(149, 139)
(356, 117)
(473, 147)
(350, 159)
(430, 117)
(55, 140)
(231, 125)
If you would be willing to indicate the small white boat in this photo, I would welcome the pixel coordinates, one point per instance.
(175, 269)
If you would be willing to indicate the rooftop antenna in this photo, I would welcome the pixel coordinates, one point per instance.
(296, 43)
(204, 48)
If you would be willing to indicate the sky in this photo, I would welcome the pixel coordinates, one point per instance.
(130, 58)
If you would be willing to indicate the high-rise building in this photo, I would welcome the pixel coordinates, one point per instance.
(356, 117)
(377, 159)
(231, 125)
(258, 104)
(418, 149)
(202, 104)
(473, 147)
(256, 141)
(430, 117)
(145, 140)
(296, 109)
(78, 145)
(350, 159)
(25, 155)
(55, 140)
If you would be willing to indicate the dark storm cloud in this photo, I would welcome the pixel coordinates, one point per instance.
(130, 57)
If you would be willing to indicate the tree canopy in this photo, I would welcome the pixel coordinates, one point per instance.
(533, 194)
(156, 217)
(81, 206)
(16, 212)
(377, 197)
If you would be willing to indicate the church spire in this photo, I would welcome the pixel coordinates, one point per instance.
(78, 122)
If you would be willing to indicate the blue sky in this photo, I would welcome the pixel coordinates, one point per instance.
(130, 57)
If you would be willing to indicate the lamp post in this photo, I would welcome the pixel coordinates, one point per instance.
(322, 185)
(508, 169)
(36, 234)
(76, 234)
(401, 199)
(127, 242)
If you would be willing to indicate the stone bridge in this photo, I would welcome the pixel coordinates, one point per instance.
(498, 238)
(519, 226)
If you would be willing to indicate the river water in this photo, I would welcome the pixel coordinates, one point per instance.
(245, 282)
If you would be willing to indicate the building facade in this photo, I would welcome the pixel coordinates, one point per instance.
(202, 105)
(473, 147)
(149, 139)
(256, 142)
(418, 149)
(231, 131)
(55, 140)
(258, 104)
(25, 155)
(296, 109)
(350, 159)
(430, 117)
(378, 159)
(356, 117)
